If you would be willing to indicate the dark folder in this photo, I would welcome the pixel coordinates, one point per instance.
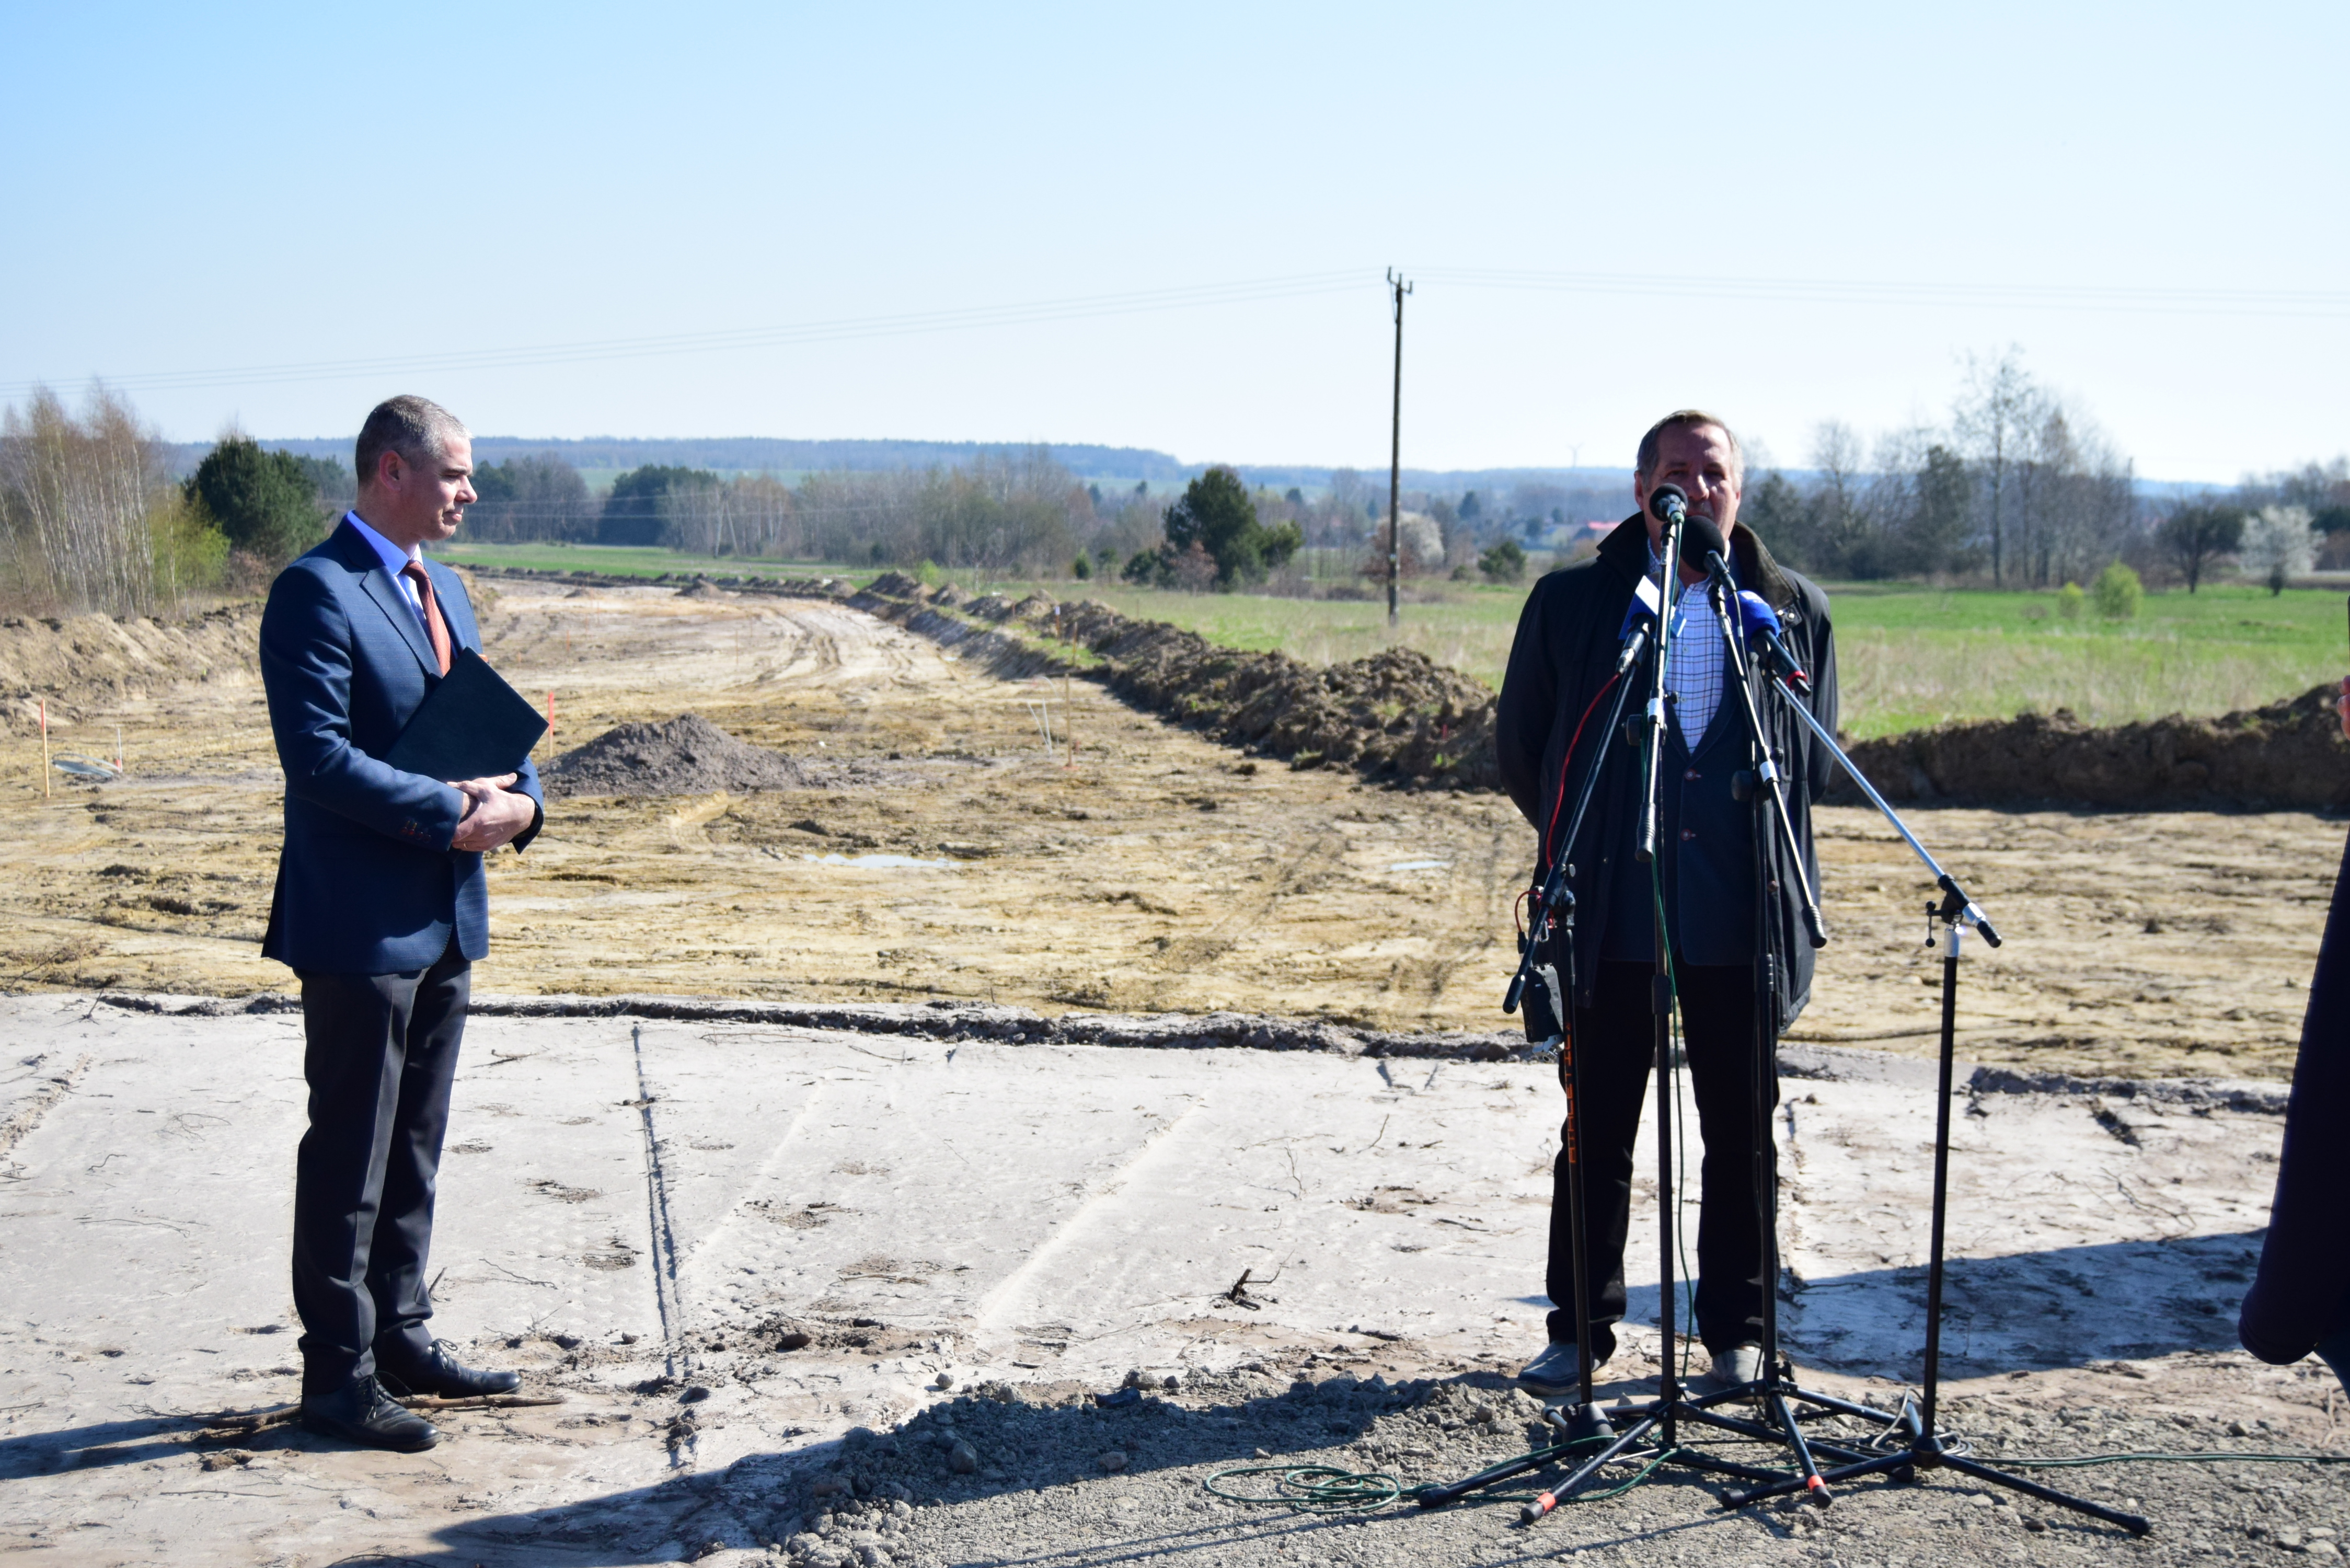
(470, 726)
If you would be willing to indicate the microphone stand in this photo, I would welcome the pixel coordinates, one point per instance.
(1927, 1449)
(1776, 1390)
(1553, 918)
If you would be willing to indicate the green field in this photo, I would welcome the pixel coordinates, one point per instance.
(647, 561)
(1908, 656)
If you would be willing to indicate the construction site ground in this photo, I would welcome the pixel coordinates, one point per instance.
(822, 1296)
(940, 850)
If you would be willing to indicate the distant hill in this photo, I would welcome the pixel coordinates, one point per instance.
(1123, 466)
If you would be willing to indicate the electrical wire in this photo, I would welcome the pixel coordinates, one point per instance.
(2320, 304)
(1326, 1489)
(781, 335)
(2157, 1455)
(2101, 299)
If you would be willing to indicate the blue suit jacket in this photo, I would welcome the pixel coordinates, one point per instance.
(366, 883)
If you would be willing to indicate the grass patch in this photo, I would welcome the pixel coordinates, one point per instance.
(633, 561)
(1908, 656)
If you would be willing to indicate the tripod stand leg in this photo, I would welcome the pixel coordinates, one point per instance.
(1804, 1460)
(2136, 1525)
(1782, 1486)
(1583, 1474)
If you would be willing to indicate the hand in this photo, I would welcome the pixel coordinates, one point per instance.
(2342, 707)
(494, 814)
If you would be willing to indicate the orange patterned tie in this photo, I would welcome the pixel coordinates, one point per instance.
(434, 627)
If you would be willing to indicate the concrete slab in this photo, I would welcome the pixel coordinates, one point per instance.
(632, 1210)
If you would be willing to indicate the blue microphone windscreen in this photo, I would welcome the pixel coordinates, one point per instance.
(1754, 610)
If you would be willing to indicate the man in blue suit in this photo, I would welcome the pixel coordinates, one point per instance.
(381, 909)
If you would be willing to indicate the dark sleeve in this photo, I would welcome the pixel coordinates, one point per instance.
(2303, 1282)
(1523, 718)
(305, 671)
(1823, 771)
(525, 776)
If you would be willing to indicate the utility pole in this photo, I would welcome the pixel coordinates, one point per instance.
(1394, 452)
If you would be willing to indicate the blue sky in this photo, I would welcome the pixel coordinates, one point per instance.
(2147, 201)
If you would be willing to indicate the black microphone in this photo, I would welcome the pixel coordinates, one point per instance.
(1703, 547)
(1667, 503)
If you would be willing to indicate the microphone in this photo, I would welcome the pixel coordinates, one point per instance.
(1703, 547)
(1640, 621)
(1760, 624)
(1668, 502)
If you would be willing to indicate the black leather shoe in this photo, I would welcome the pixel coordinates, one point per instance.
(439, 1372)
(360, 1412)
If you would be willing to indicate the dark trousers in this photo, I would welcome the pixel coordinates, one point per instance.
(380, 1053)
(1616, 1063)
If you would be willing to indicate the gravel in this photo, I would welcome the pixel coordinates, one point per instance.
(1056, 1473)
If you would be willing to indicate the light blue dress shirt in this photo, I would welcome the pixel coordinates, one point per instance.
(394, 559)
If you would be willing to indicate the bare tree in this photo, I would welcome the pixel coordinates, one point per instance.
(1991, 416)
(78, 495)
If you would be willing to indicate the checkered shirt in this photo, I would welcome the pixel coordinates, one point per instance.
(1693, 668)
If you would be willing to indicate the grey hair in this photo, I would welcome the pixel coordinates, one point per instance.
(1687, 419)
(418, 428)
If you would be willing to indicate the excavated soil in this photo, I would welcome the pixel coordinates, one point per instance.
(938, 849)
(1397, 714)
(688, 756)
(80, 662)
(2289, 754)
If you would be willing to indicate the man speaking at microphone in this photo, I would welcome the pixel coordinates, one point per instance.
(381, 909)
(1566, 650)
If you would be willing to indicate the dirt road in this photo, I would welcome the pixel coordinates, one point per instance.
(942, 851)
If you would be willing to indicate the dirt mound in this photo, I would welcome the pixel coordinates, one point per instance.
(2287, 755)
(688, 756)
(81, 661)
(1397, 714)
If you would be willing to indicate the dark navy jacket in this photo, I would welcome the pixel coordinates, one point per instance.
(1564, 653)
(2302, 1293)
(366, 883)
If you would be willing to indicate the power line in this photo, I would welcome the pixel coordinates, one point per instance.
(2305, 304)
(847, 329)
(2318, 303)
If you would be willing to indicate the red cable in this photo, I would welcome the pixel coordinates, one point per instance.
(1567, 761)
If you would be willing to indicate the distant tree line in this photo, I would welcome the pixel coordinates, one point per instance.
(91, 519)
(2017, 490)
(2273, 527)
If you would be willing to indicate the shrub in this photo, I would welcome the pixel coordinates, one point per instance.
(1218, 517)
(263, 501)
(1503, 562)
(2117, 593)
(2069, 600)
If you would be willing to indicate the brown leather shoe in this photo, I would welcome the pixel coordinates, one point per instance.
(360, 1412)
(436, 1371)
